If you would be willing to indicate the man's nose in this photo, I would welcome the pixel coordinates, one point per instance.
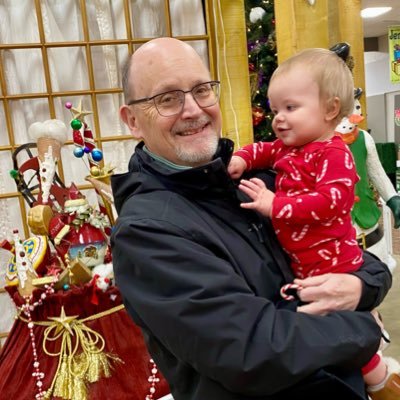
(190, 106)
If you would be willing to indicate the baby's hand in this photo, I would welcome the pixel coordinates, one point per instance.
(236, 167)
(262, 198)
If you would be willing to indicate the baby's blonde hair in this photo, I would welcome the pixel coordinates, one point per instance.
(330, 73)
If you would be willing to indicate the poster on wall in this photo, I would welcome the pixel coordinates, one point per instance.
(394, 53)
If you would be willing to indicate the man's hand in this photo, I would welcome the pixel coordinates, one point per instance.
(394, 204)
(262, 197)
(329, 292)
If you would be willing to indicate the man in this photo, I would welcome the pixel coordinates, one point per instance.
(201, 276)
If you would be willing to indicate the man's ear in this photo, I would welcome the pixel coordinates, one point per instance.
(128, 117)
(332, 108)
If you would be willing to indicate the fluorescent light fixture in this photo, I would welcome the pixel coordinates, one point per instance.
(372, 12)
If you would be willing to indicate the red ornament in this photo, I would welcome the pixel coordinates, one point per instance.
(258, 115)
(252, 68)
(78, 139)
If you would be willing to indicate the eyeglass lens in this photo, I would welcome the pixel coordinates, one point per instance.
(171, 103)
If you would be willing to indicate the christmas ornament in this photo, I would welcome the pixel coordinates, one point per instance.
(85, 144)
(78, 152)
(256, 14)
(258, 115)
(29, 259)
(97, 155)
(76, 124)
(50, 136)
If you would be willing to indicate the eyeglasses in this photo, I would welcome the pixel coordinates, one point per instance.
(171, 103)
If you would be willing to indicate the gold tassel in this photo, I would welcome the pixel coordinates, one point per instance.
(100, 366)
(62, 384)
(79, 388)
(94, 371)
(75, 371)
(105, 364)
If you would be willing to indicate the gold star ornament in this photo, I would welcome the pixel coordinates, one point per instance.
(64, 321)
(78, 113)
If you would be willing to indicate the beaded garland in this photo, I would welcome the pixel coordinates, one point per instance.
(27, 308)
(153, 380)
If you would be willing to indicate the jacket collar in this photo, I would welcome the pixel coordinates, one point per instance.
(147, 174)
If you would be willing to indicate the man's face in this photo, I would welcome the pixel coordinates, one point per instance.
(190, 137)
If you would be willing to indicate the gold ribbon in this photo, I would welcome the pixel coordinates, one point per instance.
(76, 370)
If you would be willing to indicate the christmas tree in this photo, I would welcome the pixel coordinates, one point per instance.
(261, 44)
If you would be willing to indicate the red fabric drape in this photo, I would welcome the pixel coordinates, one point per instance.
(122, 337)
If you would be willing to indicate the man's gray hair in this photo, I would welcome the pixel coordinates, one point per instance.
(126, 67)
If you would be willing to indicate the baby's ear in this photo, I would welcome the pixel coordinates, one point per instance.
(332, 108)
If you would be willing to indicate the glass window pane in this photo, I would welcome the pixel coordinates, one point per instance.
(68, 68)
(187, 17)
(148, 18)
(106, 65)
(19, 78)
(24, 113)
(118, 153)
(108, 113)
(7, 184)
(201, 48)
(106, 19)
(75, 169)
(62, 20)
(10, 218)
(4, 134)
(19, 22)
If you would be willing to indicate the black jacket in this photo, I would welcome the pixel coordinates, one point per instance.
(201, 277)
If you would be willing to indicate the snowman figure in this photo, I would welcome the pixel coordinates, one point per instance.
(366, 212)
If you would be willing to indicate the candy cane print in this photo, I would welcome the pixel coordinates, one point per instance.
(296, 174)
(296, 237)
(286, 288)
(348, 161)
(288, 210)
(335, 194)
(323, 172)
(325, 254)
(346, 181)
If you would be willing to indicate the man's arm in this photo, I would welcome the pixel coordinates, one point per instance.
(206, 314)
(360, 290)
(377, 280)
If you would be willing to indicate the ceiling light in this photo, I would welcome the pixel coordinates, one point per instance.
(372, 12)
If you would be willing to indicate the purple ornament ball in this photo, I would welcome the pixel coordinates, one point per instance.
(68, 105)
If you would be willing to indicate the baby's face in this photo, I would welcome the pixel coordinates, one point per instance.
(299, 114)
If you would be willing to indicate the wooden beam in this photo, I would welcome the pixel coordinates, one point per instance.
(233, 70)
(300, 25)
